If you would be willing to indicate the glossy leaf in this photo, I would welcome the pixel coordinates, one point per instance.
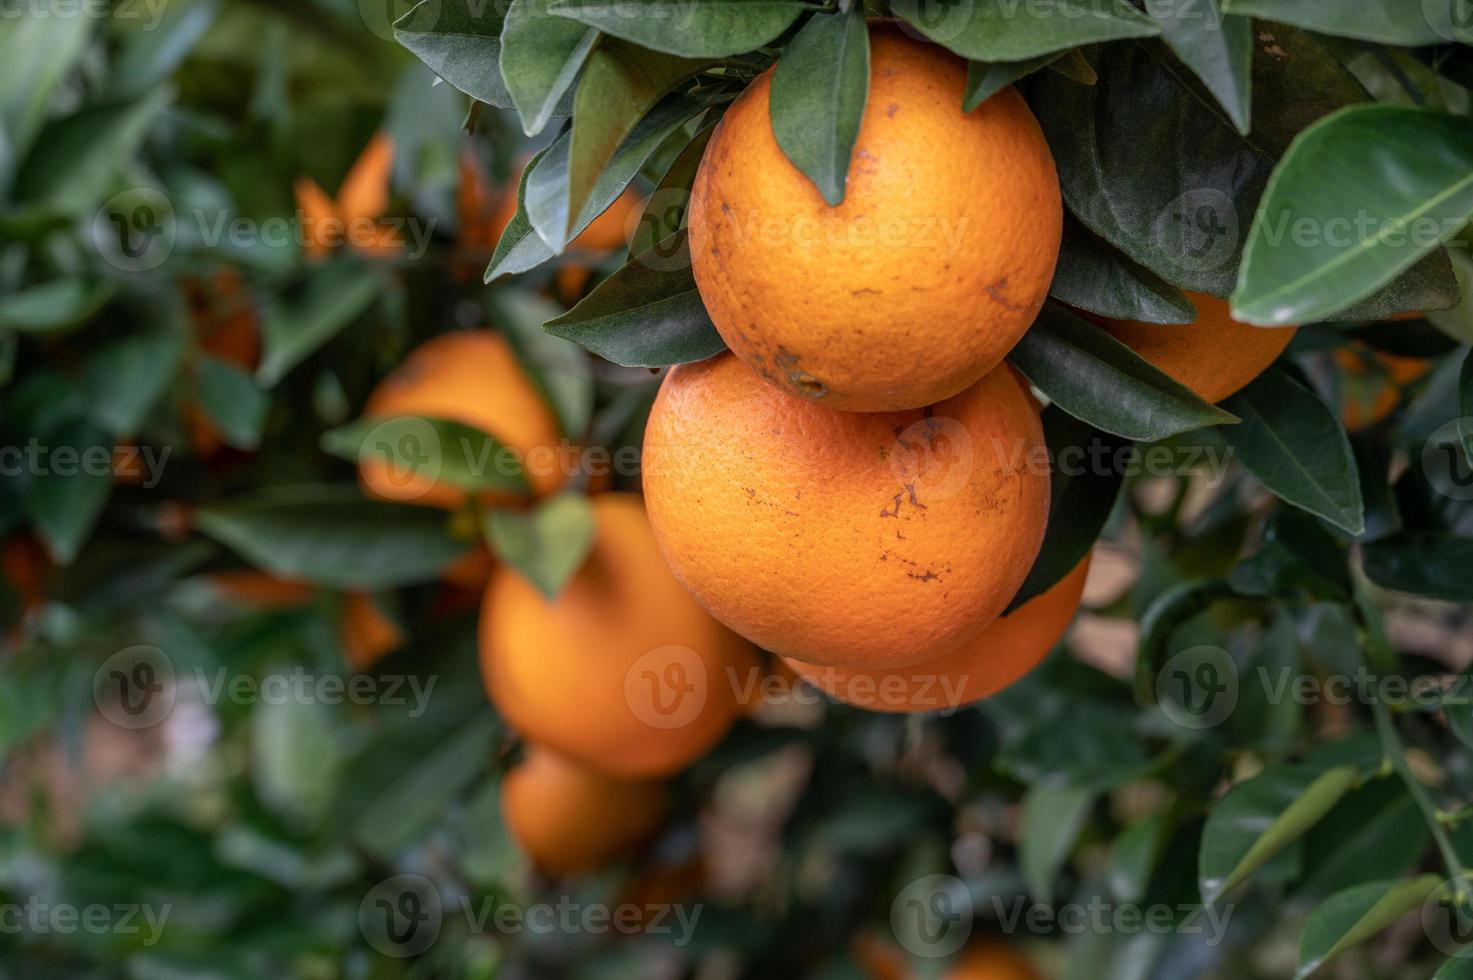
(996, 30)
(665, 211)
(1424, 563)
(1403, 183)
(1094, 377)
(648, 314)
(1218, 48)
(1052, 819)
(819, 90)
(1082, 495)
(1384, 21)
(1093, 275)
(1350, 917)
(986, 78)
(1294, 444)
(1259, 817)
(430, 449)
(541, 56)
(691, 28)
(546, 545)
(1376, 832)
(460, 40)
(333, 536)
(519, 248)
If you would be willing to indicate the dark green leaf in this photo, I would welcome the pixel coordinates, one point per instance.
(1082, 495)
(546, 545)
(1153, 171)
(66, 492)
(461, 42)
(1094, 377)
(1169, 610)
(1134, 855)
(819, 89)
(296, 758)
(519, 248)
(1218, 48)
(429, 450)
(1259, 817)
(1095, 276)
(621, 85)
(233, 401)
(1376, 832)
(1294, 444)
(1465, 405)
(1403, 184)
(1457, 968)
(1350, 917)
(125, 378)
(665, 211)
(36, 53)
(691, 28)
(1297, 80)
(1430, 284)
(541, 56)
(1052, 820)
(296, 325)
(332, 536)
(648, 314)
(151, 52)
(1384, 21)
(1425, 563)
(74, 159)
(996, 30)
(986, 78)
(53, 306)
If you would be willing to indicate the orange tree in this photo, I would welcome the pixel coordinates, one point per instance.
(1167, 291)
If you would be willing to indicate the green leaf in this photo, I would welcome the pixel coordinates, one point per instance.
(1259, 817)
(541, 56)
(233, 401)
(152, 51)
(559, 368)
(65, 495)
(690, 28)
(1134, 855)
(987, 78)
(544, 194)
(1296, 447)
(1383, 21)
(296, 758)
(460, 40)
(1170, 609)
(1217, 48)
(621, 85)
(648, 314)
(819, 89)
(75, 158)
(1094, 377)
(1095, 276)
(1082, 495)
(1465, 405)
(519, 248)
(1152, 170)
(996, 30)
(332, 536)
(295, 325)
(1376, 832)
(546, 545)
(1052, 820)
(1297, 80)
(1403, 184)
(1350, 917)
(125, 378)
(54, 306)
(1457, 968)
(429, 449)
(1425, 563)
(36, 53)
(665, 211)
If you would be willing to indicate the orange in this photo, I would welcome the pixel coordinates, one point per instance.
(226, 327)
(26, 570)
(1000, 655)
(990, 961)
(622, 671)
(921, 280)
(247, 587)
(1215, 355)
(871, 540)
(570, 819)
(352, 219)
(471, 377)
(1373, 390)
(366, 633)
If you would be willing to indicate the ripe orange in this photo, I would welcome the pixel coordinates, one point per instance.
(257, 590)
(471, 377)
(623, 671)
(871, 540)
(991, 961)
(1215, 355)
(27, 571)
(1370, 394)
(226, 327)
(1000, 655)
(570, 819)
(366, 633)
(921, 280)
